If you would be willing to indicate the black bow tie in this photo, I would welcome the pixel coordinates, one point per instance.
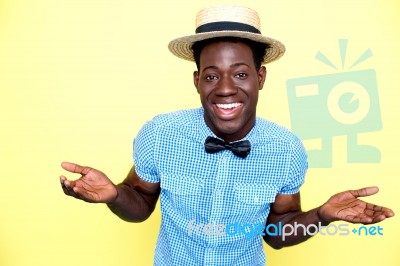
(239, 148)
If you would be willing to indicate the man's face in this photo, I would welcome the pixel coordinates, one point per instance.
(228, 84)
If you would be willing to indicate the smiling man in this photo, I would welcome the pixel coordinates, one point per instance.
(220, 166)
(228, 82)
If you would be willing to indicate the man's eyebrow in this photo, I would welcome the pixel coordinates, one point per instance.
(233, 65)
(209, 67)
(239, 64)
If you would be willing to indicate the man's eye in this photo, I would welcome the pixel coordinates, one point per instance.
(241, 75)
(211, 77)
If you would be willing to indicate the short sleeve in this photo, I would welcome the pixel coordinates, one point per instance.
(297, 169)
(143, 153)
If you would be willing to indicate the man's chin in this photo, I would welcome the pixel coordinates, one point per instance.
(228, 131)
(232, 130)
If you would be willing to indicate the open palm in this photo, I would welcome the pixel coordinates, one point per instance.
(92, 186)
(347, 207)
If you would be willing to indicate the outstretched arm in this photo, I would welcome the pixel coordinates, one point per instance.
(343, 206)
(133, 200)
(136, 198)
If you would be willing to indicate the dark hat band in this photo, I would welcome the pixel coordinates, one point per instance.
(226, 26)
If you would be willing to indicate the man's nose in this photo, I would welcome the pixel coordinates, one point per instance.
(225, 87)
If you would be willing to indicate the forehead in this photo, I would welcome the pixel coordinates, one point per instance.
(226, 50)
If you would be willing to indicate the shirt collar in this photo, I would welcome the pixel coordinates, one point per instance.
(205, 131)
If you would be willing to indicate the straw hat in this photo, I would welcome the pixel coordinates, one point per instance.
(226, 21)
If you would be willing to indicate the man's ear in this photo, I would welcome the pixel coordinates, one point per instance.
(196, 80)
(262, 74)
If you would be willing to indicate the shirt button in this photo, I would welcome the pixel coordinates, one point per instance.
(256, 199)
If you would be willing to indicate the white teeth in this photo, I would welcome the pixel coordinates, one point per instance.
(228, 105)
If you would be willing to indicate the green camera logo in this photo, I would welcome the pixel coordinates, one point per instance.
(344, 103)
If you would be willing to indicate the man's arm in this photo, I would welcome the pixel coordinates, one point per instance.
(287, 210)
(133, 200)
(343, 206)
(136, 198)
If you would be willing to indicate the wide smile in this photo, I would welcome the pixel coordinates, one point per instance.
(227, 111)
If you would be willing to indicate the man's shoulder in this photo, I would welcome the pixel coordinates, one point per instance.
(172, 125)
(180, 117)
(269, 130)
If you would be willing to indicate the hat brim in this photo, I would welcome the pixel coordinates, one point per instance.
(182, 47)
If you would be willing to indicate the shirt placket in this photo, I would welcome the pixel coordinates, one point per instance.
(217, 208)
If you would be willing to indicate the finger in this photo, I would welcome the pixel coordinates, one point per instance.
(368, 219)
(375, 217)
(83, 195)
(379, 209)
(63, 186)
(388, 212)
(75, 168)
(358, 219)
(69, 187)
(363, 192)
(68, 183)
(379, 218)
(65, 189)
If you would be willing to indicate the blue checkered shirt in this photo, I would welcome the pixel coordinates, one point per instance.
(200, 191)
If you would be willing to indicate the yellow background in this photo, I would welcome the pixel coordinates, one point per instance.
(78, 78)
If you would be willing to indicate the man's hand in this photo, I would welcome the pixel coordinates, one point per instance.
(347, 207)
(92, 186)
